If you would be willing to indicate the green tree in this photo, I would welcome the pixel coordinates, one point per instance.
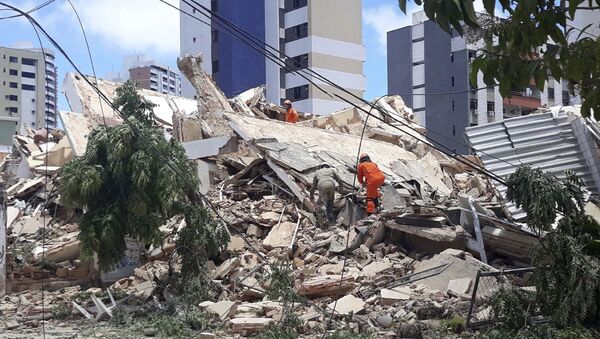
(567, 260)
(531, 26)
(126, 188)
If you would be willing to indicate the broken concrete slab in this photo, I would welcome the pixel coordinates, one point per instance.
(246, 326)
(236, 244)
(510, 243)
(30, 187)
(32, 225)
(224, 309)
(12, 213)
(459, 268)
(280, 235)
(199, 149)
(376, 267)
(347, 305)
(77, 128)
(326, 285)
(389, 297)
(391, 198)
(459, 287)
(227, 267)
(445, 234)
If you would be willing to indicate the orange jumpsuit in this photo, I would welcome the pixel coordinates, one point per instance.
(291, 115)
(369, 173)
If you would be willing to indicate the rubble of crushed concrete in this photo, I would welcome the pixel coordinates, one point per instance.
(413, 264)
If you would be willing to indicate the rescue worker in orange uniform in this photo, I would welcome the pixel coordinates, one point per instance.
(291, 115)
(372, 177)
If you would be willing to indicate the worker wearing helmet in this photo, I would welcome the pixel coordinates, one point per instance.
(291, 115)
(325, 180)
(372, 177)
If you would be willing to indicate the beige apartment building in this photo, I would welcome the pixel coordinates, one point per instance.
(28, 91)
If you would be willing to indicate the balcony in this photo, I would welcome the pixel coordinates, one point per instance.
(520, 100)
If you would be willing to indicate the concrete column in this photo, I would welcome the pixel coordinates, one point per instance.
(498, 105)
(482, 117)
(3, 248)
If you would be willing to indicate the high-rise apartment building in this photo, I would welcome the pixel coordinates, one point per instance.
(148, 74)
(323, 35)
(430, 69)
(157, 78)
(28, 92)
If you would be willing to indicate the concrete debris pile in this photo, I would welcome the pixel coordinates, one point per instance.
(396, 272)
(41, 235)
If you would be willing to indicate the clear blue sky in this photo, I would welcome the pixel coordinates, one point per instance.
(118, 27)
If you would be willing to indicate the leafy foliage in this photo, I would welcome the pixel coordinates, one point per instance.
(512, 54)
(515, 307)
(126, 187)
(543, 196)
(281, 287)
(567, 274)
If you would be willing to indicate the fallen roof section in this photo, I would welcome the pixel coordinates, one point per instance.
(552, 142)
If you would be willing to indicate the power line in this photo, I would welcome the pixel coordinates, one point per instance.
(28, 12)
(134, 128)
(268, 47)
(226, 24)
(87, 45)
(271, 56)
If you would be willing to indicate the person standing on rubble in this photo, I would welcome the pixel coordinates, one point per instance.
(372, 177)
(325, 180)
(291, 115)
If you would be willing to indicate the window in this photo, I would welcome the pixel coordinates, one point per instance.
(490, 106)
(193, 11)
(551, 93)
(453, 129)
(452, 57)
(453, 106)
(28, 87)
(13, 85)
(33, 124)
(297, 93)
(291, 5)
(194, 39)
(296, 32)
(12, 109)
(28, 75)
(215, 66)
(13, 72)
(12, 97)
(33, 112)
(297, 62)
(29, 62)
(214, 35)
(452, 81)
(566, 98)
(13, 59)
(473, 103)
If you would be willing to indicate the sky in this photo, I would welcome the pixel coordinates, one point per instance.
(121, 27)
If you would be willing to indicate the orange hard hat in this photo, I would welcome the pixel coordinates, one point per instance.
(287, 102)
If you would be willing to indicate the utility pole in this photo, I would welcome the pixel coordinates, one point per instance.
(3, 217)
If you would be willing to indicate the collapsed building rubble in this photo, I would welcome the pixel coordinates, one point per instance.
(416, 261)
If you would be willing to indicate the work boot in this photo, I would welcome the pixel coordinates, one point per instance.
(329, 212)
(377, 205)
